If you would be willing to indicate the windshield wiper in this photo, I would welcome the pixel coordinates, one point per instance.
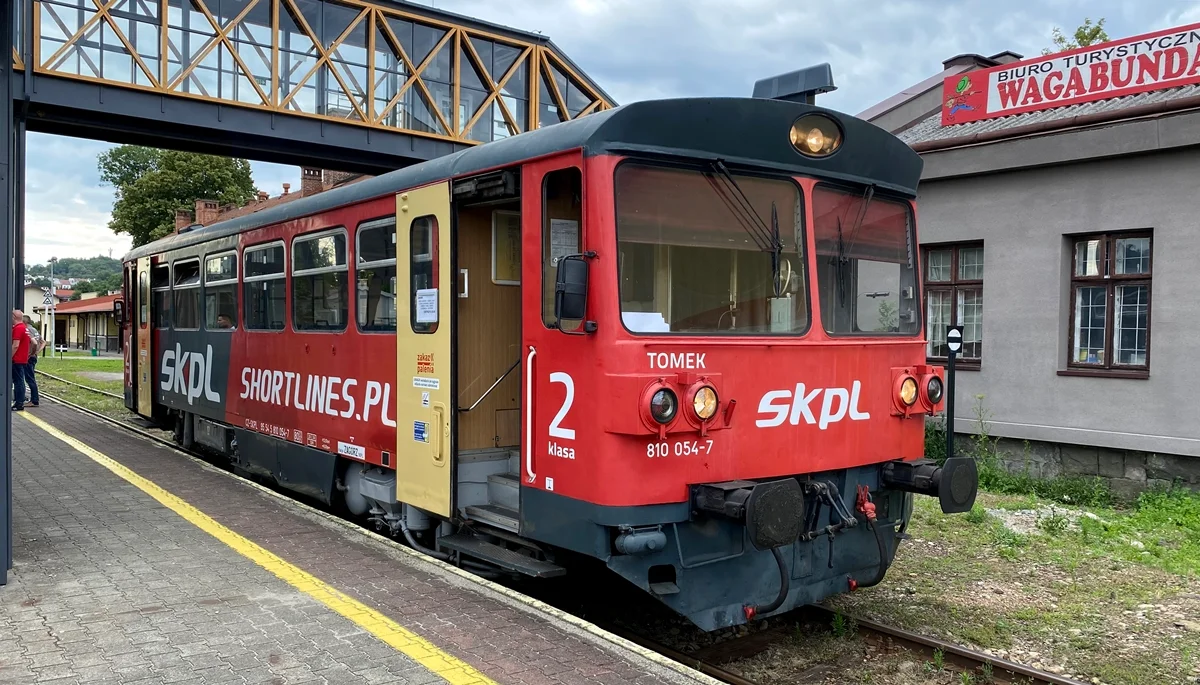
(842, 261)
(766, 239)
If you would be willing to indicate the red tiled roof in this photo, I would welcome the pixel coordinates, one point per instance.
(95, 304)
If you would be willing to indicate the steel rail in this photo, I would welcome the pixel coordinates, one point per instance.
(961, 656)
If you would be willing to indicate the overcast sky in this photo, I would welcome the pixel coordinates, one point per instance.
(644, 49)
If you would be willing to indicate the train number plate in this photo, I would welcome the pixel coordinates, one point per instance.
(678, 448)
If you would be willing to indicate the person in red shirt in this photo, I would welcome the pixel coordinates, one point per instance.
(20, 358)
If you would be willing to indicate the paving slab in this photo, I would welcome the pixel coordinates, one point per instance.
(134, 562)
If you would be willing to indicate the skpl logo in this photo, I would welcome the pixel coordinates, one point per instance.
(837, 404)
(189, 374)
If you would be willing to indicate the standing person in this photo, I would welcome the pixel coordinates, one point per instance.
(36, 345)
(20, 359)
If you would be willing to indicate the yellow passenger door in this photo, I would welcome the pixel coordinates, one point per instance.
(143, 331)
(424, 286)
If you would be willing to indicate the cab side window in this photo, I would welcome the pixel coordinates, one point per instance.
(562, 234)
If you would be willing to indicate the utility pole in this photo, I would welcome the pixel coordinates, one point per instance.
(53, 304)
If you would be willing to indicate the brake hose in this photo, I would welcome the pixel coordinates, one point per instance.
(784, 586)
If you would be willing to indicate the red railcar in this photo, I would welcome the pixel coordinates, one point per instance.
(682, 337)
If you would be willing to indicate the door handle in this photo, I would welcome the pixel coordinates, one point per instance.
(531, 476)
(439, 426)
(466, 283)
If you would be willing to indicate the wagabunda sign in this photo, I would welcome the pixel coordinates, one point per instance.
(1152, 61)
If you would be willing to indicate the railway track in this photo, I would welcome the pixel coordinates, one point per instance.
(710, 660)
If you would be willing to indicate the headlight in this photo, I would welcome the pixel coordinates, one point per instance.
(815, 135)
(934, 390)
(705, 403)
(908, 391)
(663, 406)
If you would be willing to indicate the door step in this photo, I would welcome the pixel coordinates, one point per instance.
(500, 517)
(504, 558)
(142, 422)
(504, 491)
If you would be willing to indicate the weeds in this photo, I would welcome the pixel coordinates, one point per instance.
(977, 515)
(1053, 525)
(843, 627)
(985, 672)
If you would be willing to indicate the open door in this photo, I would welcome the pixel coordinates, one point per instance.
(142, 330)
(424, 410)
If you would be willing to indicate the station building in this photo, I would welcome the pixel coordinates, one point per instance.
(1059, 213)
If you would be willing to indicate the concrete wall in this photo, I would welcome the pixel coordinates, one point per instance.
(1022, 217)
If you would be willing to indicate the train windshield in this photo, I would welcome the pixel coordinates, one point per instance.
(704, 252)
(866, 275)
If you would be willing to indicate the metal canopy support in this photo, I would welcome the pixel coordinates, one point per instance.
(8, 208)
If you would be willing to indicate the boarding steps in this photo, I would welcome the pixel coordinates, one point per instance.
(503, 513)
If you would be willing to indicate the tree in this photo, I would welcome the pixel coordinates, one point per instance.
(1087, 34)
(152, 184)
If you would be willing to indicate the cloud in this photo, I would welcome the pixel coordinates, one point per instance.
(646, 49)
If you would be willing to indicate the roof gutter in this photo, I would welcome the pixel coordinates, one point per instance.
(1153, 109)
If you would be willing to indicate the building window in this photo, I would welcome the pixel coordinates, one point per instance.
(320, 274)
(187, 295)
(264, 287)
(160, 282)
(1110, 302)
(562, 210)
(376, 275)
(220, 292)
(423, 270)
(954, 293)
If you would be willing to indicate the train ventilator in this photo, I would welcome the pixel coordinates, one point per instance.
(683, 338)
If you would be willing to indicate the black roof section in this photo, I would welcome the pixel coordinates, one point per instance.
(746, 133)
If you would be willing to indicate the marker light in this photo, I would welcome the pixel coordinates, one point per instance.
(934, 390)
(908, 391)
(663, 406)
(816, 135)
(705, 402)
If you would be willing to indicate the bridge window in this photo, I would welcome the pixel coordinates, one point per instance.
(220, 292)
(187, 295)
(320, 273)
(160, 281)
(376, 273)
(423, 260)
(265, 287)
(562, 210)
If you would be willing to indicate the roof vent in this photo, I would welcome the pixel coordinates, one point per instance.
(192, 227)
(802, 85)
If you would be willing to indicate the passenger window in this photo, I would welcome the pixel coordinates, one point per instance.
(562, 210)
(187, 295)
(220, 292)
(320, 274)
(376, 274)
(265, 288)
(160, 283)
(423, 261)
(144, 297)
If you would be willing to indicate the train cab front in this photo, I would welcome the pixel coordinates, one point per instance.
(756, 368)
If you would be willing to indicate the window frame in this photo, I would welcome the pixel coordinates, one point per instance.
(161, 325)
(1110, 279)
(546, 242)
(199, 286)
(369, 225)
(235, 281)
(293, 273)
(951, 286)
(281, 276)
(435, 247)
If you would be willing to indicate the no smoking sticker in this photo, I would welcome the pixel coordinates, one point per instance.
(424, 399)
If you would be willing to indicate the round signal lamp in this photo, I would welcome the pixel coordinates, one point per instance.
(704, 402)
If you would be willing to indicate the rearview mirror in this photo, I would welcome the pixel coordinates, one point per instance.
(570, 289)
(119, 312)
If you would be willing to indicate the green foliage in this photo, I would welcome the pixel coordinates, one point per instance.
(889, 317)
(843, 627)
(935, 440)
(98, 285)
(1053, 525)
(71, 267)
(152, 184)
(1087, 34)
(977, 515)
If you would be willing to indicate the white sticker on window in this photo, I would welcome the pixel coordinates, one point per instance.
(564, 239)
(427, 305)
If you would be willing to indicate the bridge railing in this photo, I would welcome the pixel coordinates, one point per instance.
(347, 60)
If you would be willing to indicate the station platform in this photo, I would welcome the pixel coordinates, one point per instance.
(136, 563)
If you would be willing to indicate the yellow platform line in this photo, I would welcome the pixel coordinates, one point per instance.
(417, 648)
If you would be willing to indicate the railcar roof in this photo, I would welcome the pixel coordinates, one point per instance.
(745, 132)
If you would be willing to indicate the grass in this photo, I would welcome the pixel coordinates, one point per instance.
(73, 369)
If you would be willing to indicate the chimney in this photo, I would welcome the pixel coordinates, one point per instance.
(1006, 57)
(798, 86)
(183, 219)
(310, 181)
(206, 212)
(263, 196)
(970, 60)
(286, 188)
